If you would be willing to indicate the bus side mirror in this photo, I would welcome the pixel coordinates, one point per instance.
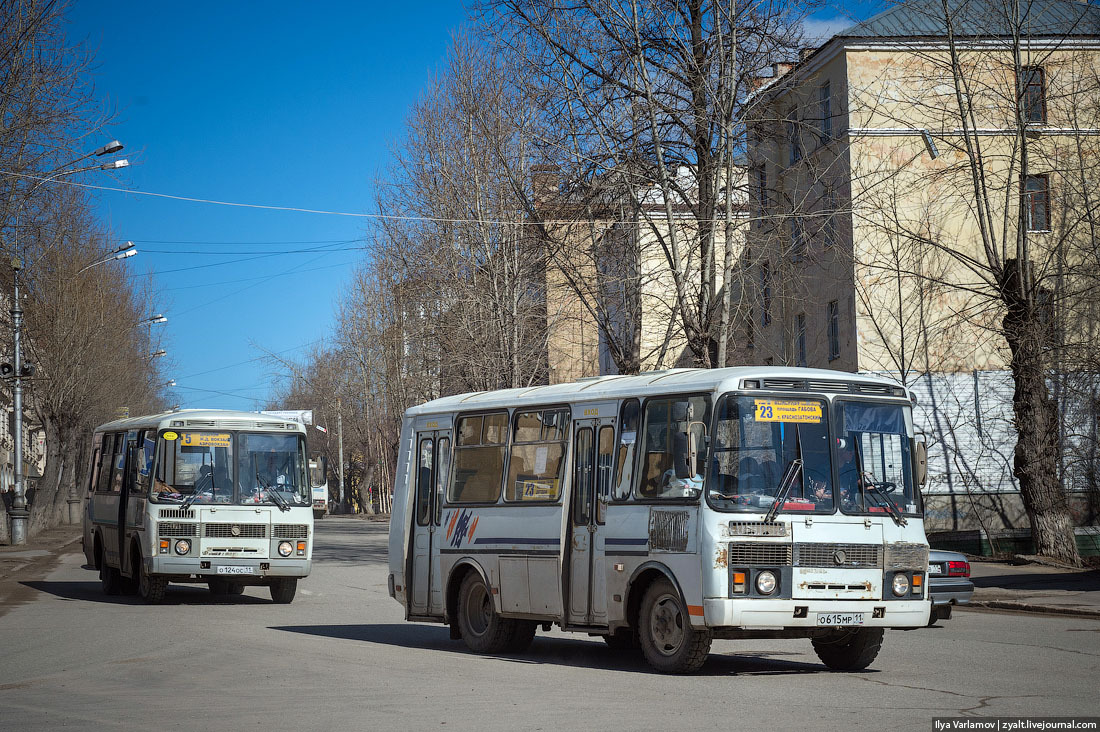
(920, 463)
(684, 454)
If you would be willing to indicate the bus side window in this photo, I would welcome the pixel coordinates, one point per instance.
(118, 462)
(106, 462)
(95, 471)
(628, 438)
(442, 472)
(479, 459)
(144, 463)
(423, 481)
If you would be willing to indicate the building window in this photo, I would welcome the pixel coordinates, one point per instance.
(800, 339)
(828, 226)
(762, 192)
(834, 330)
(1037, 202)
(825, 101)
(765, 294)
(794, 143)
(1033, 97)
(798, 239)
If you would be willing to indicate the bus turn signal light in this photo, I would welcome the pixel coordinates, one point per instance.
(163, 546)
(301, 548)
(738, 579)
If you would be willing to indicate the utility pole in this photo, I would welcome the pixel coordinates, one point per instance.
(20, 515)
(340, 452)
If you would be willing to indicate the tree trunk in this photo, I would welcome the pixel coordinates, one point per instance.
(1035, 462)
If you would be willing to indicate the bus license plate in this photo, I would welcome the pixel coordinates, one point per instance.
(236, 570)
(840, 618)
(935, 569)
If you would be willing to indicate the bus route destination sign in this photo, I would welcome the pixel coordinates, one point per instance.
(205, 439)
(787, 410)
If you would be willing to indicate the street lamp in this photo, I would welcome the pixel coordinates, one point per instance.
(171, 383)
(19, 511)
(158, 353)
(124, 251)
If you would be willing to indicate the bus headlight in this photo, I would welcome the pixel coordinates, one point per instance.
(765, 583)
(285, 548)
(900, 584)
(183, 546)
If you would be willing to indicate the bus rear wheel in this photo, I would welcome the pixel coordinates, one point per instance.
(482, 629)
(283, 589)
(110, 579)
(849, 650)
(668, 641)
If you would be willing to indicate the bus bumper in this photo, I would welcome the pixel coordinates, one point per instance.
(253, 569)
(774, 614)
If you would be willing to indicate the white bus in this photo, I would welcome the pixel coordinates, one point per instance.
(200, 496)
(318, 478)
(664, 510)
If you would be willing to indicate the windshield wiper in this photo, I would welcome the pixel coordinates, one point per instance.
(273, 493)
(888, 505)
(793, 470)
(190, 499)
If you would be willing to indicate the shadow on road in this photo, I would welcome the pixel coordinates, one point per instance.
(559, 651)
(1073, 581)
(176, 594)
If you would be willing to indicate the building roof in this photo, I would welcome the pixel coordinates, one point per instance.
(970, 18)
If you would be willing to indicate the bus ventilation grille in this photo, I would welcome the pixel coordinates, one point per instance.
(175, 528)
(668, 530)
(290, 531)
(177, 513)
(759, 555)
(243, 531)
(838, 555)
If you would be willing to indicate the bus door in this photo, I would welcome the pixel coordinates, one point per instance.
(433, 462)
(593, 451)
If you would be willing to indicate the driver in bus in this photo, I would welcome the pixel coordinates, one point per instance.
(851, 484)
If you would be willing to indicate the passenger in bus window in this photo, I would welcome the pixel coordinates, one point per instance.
(848, 473)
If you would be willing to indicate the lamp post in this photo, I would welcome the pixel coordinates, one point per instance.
(19, 511)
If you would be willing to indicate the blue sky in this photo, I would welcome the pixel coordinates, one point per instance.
(284, 104)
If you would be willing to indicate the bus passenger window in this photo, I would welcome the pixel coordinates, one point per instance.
(666, 422)
(537, 455)
(118, 463)
(442, 472)
(624, 461)
(479, 459)
(106, 460)
(424, 482)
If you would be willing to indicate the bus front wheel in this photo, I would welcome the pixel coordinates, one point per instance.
(849, 650)
(151, 588)
(668, 641)
(283, 589)
(483, 630)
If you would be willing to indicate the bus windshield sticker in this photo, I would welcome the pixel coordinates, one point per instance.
(170, 436)
(782, 410)
(205, 439)
(540, 459)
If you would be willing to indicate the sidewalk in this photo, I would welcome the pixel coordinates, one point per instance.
(1035, 588)
(49, 543)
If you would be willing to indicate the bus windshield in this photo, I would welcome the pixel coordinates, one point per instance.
(211, 467)
(874, 466)
(764, 444)
(272, 463)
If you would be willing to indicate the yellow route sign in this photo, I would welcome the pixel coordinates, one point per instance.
(787, 410)
(205, 439)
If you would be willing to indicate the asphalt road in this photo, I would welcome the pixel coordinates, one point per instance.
(341, 657)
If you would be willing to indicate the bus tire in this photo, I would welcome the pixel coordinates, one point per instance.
(283, 589)
(849, 650)
(668, 641)
(110, 579)
(483, 630)
(623, 639)
(151, 588)
(523, 634)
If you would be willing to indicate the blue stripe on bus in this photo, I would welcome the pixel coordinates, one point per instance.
(626, 542)
(506, 540)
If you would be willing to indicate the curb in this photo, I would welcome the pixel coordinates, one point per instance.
(1028, 608)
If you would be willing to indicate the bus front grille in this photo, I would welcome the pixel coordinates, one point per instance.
(756, 554)
(290, 531)
(177, 528)
(179, 513)
(235, 531)
(837, 555)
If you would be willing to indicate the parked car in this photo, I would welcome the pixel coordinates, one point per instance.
(948, 582)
